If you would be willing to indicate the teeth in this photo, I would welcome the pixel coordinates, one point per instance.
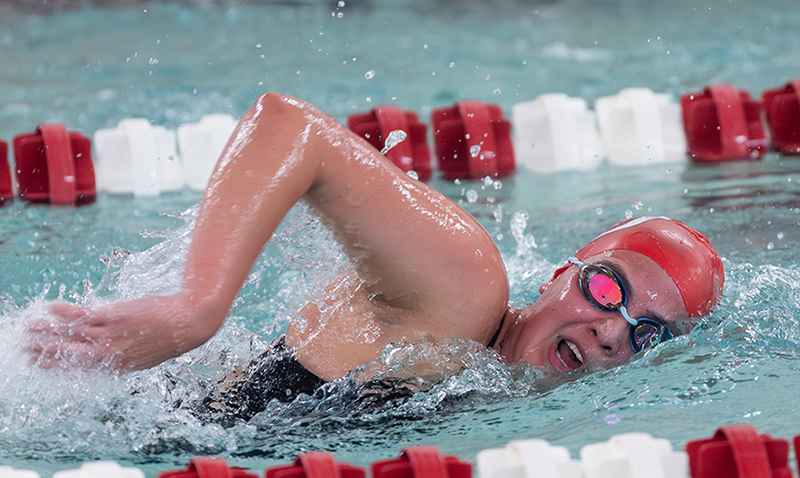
(558, 354)
(575, 350)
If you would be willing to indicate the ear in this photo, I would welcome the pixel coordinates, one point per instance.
(544, 286)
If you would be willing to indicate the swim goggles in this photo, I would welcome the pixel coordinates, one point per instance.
(603, 288)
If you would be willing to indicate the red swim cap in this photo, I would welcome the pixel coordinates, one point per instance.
(685, 254)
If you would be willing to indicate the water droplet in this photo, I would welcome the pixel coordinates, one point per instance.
(628, 214)
(457, 182)
(781, 236)
(413, 174)
(341, 4)
(475, 150)
(370, 74)
(498, 213)
(770, 246)
(496, 91)
(669, 170)
(393, 139)
(472, 196)
(599, 211)
(637, 205)
(452, 64)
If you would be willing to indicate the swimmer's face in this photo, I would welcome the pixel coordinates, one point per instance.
(563, 332)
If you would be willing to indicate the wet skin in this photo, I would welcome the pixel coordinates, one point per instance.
(425, 267)
(545, 332)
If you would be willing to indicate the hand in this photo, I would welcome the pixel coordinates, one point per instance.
(130, 335)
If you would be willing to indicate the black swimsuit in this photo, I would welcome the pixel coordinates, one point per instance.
(276, 374)
(496, 335)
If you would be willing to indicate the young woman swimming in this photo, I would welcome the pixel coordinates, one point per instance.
(426, 268)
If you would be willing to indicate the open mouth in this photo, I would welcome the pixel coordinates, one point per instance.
(569, 355)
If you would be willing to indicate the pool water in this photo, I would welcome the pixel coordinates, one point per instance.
(173, 62)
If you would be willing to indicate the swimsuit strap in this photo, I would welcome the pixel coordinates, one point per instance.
(496, 334)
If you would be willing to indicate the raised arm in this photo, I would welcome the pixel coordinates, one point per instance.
(404, 236)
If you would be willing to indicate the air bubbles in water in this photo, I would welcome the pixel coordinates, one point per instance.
(369, 75)
(628, 214)
(472, 196)
(393, 139)
(475, 150)
(498, 213)
(518, 223)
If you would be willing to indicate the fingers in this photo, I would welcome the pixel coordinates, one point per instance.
(69, 320)
(68, 356)
(75, 331)
(70, 338)
(69, 312)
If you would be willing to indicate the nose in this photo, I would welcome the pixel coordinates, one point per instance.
(611, 332)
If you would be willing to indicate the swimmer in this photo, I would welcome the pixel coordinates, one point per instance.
(426, 269)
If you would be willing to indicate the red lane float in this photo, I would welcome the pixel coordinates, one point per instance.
(723, 124)
(208, 467)
(411, 154)
(797, 450)
(782, 107)
(473, 140)
(421, 462)
(315, 465)
(6, 190)
(54, 165)
(738, 451)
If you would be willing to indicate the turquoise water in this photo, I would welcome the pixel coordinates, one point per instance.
(172, 63)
